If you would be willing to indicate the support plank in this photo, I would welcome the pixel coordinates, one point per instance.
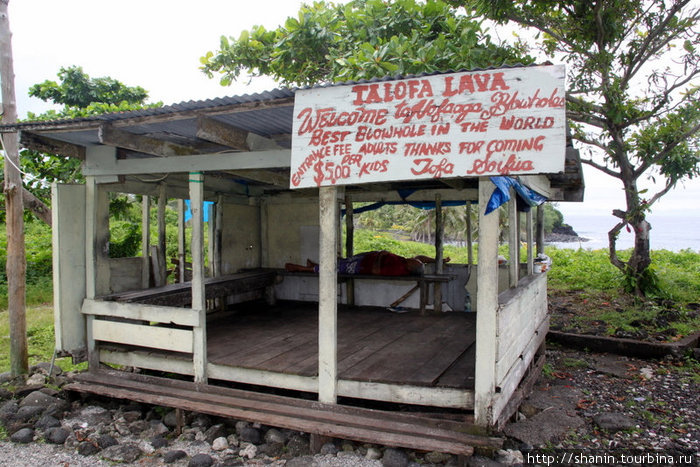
(530, 243)
(123, 139)
(222, 133)
(198, 293)
(439, 229)
(349, 246)
(162, 202)
(145, 241)
(136, 311)
(175, 340)
(328, 293)
(487, 299)
(181, 247)
(513, 241)
(540, 229)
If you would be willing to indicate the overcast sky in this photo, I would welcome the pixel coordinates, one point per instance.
(156, 44)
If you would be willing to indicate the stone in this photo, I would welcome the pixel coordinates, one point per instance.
(8, 411)
(127, 452)
(146, 447)
(174, 456)
(47, 421)
(250, 435)
(240, 425)
(305, 461)
(232, 440)
(157, 428)
(37, 398)
(560, 397)
(131, 416)
(86, 448)
(436, 457)
(395, 458)
(614, 421)
(105, 441)
(23, 436)
(248, 450)
(373, 453)
(56, 435)
(509, 457)
(201, 460)
(545, 426)
(329, 449)
(29, 413)
(58, 409)
(274, 435)
(219, 444)
(37, 379)
(201, 421)
(45, 367)
(94, 415)
(215, 431)
(230, 461)
(480, 461)
(158, 442)
(298, 446)
(170, 419)
(5, 394)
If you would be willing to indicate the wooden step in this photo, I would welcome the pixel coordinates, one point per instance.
(396, 429)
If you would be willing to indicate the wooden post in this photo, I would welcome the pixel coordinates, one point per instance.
(16, 265)
(196, 181)
(513, 241)
(349, 246)
(470, 247)
(211, 227)
(487, 300)
(530, 245)
(145, 242)
(439, 228)
(328, 297)
(540, 229)
(162, 264)
(218, 228)
(264, 244)
(181, 251)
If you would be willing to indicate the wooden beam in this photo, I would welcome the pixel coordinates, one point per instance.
(123, 139)
(145, 241)
(530, 243)
(539, 236)
(222, 133)
(181, 248)
(263, 176)
(487, 302)
(349, 246)
(276, 158)
(198, 293)
(513, 240)
(439, 229)
(328, 297)
(48, 145)
(162, 201)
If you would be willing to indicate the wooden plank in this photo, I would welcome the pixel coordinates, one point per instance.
(140, 143)
(268, 159)
(219, 132)
(148, 360)
(196, 180)
(181, 244)
(530, 243)
(461, 372)
(407, 394)
(159, 314)
(162, 265)
(439, 229)
(513, 241)
(176, 340)
(145, 241)
(504, 367)
(49, 145)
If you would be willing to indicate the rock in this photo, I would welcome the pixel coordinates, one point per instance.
(201, 460)
(274, 435)
(29, 413)
(248, 450)
(373, 453)
(219, 444)
(480, 461)
(86, 448)
(347, 446)
(240, 425)
(5, 394)
(436, 457)
(6, 377)
(250, 435)
(395, 458)
(37, 398)
(47, 421)
(201, 421)
(271, 449)
(545, 426)
(106, 441)
(614, 421)
(131, 416)
(298, 446)
(231, 461)
(157, 428)
(127, 452)
(509, 457)
(146, 447)
(24, 436)
(158, 442)
(56, 435)
(37, 379)
(215, 431)
(305, 461)
(8, 411)
(174, 456)
(23, 391)
(232, 440)
(58, 409)
(561, 397)
(170, 419)
(329, 448)
(45, 367)
(93, 415)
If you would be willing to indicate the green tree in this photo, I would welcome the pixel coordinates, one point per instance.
(359, 40)
(633, 96)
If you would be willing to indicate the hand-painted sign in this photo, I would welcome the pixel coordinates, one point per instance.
(507, 121)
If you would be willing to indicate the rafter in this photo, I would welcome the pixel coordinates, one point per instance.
(51, 146)
(146, 144)
(222, 133)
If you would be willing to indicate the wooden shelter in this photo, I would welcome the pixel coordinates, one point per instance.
(246, 339)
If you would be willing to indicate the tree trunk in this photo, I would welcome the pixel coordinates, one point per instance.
(16, 260)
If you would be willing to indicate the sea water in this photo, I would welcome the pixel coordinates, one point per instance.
(672, 232)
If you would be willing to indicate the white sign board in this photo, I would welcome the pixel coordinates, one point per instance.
(507, 121)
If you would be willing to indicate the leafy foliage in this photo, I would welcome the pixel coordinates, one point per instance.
(633, 93)
(360, 40)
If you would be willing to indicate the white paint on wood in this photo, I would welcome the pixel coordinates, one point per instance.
(181, 246)
(124, 274)
(147, 361)
(276, 158)
(145, 241)
(68, 242)
(328, 297)
(513, 241)
(162, 201)
(530, 243)
(263, 378)
(487, 296)
(450, 125)
(198, 293)
(138, 311)
(176, 340)
(407, 394)
(96, 238)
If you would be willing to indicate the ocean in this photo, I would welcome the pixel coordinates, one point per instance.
(672, 232)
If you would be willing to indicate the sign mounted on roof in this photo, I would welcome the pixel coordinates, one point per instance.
(507, 121)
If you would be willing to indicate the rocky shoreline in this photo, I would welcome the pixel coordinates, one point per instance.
(564, 234)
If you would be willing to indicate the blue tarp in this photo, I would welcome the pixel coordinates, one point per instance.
(205, 210)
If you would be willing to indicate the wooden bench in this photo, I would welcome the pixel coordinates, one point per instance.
(422, 282)
(180, 294)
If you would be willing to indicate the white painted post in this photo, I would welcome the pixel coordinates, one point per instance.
(328, 296)
(487, 300)
(264, 244)
(349, 246)
(181, 253)
(162, 264)
(439, 229)
(513, 240)
(196, 182)
(540, 229)
(530, 245)
(145, 241)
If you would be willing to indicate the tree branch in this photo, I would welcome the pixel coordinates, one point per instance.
(602, 168)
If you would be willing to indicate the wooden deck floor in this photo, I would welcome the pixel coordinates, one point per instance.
(374, 345)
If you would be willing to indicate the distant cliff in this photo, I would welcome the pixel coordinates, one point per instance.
(563, 233)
